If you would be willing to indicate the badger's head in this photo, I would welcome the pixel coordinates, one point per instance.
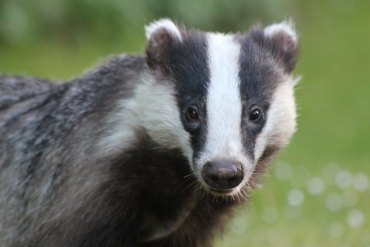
(234, 93)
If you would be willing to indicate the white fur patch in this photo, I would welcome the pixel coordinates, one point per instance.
(166, 24)
(224, 106)
(281, 119)
(154, 109)
(286, 27)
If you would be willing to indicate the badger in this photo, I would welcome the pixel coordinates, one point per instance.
(146, 150)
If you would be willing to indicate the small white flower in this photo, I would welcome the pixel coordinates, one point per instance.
(355, 218)
(295, 197)
(315, 186)
(238, 225)
(343, 179)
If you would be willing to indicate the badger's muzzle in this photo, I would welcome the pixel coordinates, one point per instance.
(222, 175)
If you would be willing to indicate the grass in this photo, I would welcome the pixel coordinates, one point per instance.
(299, 207)
(318, 192)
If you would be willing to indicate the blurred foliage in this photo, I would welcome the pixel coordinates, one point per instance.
(58, 39)
(68, 20)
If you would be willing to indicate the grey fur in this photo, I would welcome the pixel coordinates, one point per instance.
(45, 144)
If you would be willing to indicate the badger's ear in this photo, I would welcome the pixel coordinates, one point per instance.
(162, 35)
(283, 43)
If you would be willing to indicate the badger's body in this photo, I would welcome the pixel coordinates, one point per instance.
(145, 150)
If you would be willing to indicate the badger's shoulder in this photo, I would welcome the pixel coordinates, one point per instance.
(121, 68)
(16, 88)
(112, 74)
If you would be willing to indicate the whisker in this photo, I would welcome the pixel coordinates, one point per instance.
(189, 175)
(187, 184)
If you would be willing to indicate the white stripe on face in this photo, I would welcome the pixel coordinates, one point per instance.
(224, 106)
(281, 123)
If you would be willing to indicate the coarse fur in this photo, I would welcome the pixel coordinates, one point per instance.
(145, 151)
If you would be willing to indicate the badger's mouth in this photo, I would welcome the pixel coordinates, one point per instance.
(237, 192)
(219, 192)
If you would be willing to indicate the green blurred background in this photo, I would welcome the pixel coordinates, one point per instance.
(317, 193)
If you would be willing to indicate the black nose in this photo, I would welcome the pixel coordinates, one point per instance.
(223, 175)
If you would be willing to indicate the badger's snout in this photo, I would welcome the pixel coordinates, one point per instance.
(222, 175)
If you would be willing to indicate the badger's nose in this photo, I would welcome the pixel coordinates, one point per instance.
(223, 175)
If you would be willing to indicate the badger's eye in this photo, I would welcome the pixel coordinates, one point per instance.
(192, 114)
(255, 114)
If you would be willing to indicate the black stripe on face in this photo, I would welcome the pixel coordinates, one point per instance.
(259, 76)
(188, 63)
